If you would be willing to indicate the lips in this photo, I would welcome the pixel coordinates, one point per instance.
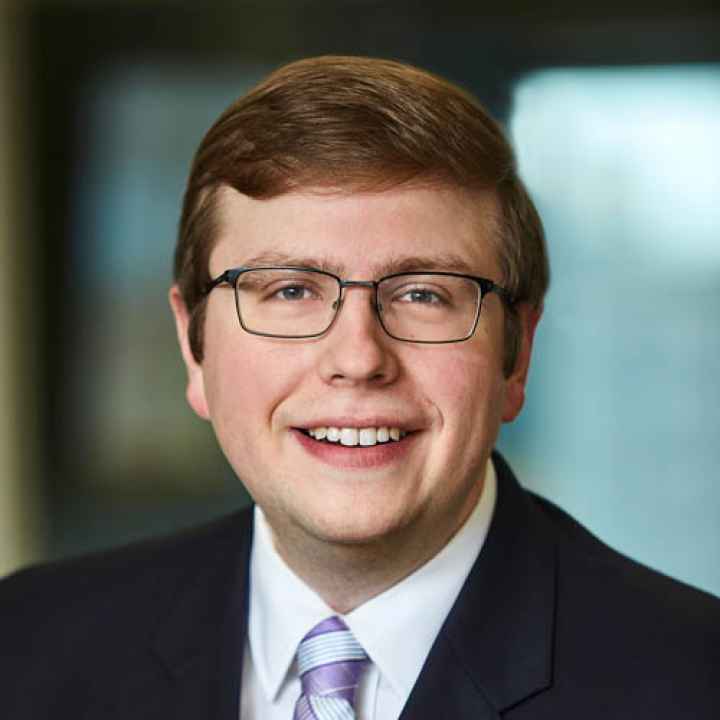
(347, 452)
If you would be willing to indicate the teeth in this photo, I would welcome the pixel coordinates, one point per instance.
(368, 436)
(349, 437)
(352, 437)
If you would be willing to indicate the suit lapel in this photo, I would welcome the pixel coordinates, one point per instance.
(194, 665)
(202, 638)
(446, 689)
(495, 648)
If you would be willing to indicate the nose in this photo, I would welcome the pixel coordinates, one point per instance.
(356, 350)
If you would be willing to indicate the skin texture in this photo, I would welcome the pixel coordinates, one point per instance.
(351, 528)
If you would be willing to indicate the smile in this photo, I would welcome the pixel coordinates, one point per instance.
(352, 436)
(357, 448)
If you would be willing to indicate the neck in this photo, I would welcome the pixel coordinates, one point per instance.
(347, 574)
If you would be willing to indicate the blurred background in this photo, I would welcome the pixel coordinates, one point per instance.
(615, 114)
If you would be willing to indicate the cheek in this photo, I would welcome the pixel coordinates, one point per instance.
(467, 390)
(246, 382)
(243, 389)
(245, 378)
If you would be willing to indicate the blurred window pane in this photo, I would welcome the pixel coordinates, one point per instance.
(623, 416)
(136, 459)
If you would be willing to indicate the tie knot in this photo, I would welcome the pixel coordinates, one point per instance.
(330, 663)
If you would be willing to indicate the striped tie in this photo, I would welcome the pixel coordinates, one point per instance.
(330, 662)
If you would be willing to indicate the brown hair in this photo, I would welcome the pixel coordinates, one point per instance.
(357, 124)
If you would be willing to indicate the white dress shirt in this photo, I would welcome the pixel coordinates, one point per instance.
(396, 628)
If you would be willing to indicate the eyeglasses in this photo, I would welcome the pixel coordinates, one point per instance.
(297, 302)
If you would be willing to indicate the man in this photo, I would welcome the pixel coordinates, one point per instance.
(359, 274)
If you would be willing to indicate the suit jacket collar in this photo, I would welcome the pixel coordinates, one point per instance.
(212, 593)
(200, 631)
(495, 648)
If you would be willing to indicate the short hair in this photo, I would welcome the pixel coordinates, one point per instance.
(358, 124)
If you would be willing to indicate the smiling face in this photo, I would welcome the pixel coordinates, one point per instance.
(447, 401)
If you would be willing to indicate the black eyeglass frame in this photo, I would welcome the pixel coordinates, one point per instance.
(231, 276)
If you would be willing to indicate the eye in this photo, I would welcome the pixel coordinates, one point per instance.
(420, 296)
(294, 292)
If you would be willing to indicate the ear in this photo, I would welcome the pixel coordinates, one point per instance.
(528, 317)
(195, 392)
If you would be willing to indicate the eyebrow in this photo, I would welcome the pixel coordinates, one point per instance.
(441, 262)
(273, 258)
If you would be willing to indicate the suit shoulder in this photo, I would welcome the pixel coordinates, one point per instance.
(68, 625)
(627, 597)
(585, 547)
(52, 594)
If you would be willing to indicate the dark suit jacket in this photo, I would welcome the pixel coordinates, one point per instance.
(551, 624)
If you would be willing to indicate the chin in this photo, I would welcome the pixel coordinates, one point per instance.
(353, 529)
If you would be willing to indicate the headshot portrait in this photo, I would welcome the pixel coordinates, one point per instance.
(359, 278)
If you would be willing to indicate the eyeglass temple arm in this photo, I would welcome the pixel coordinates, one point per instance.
(229, 276)
(488, 286)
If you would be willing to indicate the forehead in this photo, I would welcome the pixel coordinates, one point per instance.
(364, 234)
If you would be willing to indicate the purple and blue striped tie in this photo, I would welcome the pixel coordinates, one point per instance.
(330, 662)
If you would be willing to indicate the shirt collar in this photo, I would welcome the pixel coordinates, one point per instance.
(275, 629)
(414, 609)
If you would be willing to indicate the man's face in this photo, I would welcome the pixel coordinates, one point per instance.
(261, 394)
